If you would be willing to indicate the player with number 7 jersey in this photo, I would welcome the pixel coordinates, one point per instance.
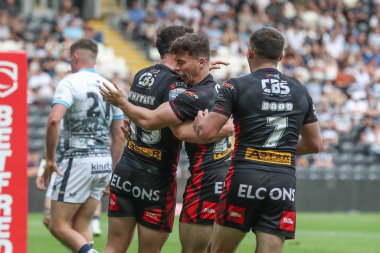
(274, 121)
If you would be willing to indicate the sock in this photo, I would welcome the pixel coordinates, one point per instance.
(85, 248)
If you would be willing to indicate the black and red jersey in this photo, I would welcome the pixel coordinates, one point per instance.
(269, 109)
(186, 106)
(159, 149)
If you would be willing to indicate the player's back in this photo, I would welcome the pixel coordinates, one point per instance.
(157, 149)
(88, 119)
(269, 110)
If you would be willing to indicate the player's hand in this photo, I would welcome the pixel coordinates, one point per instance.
(40, 183)
(113, 94)
(197, 121)
(107, 190)
(228, 128)
(217, 64)
(126, 129)
(50, 167)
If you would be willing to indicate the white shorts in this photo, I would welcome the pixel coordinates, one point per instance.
(83, 178)
(49, 189)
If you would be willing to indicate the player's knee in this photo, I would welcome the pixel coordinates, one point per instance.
(46, 222)
(56, 230)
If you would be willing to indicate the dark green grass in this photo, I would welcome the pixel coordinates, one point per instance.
(316, 233)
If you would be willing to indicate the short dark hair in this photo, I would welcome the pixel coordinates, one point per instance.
(167, 35)
(86, 44)
(195, 45)
(267, 43)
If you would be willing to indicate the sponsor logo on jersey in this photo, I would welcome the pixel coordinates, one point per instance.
(113, 206)
(236, 214)
(288, 221)
(140, 98)
(146, 80)
(101, 168)
(228, 85)
(148, 152)
(191, 94)
(208, 210)
(223, 154)
(218, 187)
(275, 87)
(250, 192)
(155, 71)
(136, 191)
(152, 215)
(277, 106)
(173, 93)
(272, 75)
(268, 156)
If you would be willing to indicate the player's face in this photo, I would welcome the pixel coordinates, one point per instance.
(187, 67)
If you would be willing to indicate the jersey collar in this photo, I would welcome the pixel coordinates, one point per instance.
(88, 70)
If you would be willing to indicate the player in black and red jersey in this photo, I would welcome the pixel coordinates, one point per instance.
(208, 162)
(143, 184)
(270, 112)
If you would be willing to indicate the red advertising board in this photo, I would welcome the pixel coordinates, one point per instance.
(13, 152)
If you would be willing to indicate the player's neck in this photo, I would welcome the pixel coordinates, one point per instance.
(168, 60)
(262, 65)
(82, 66)
(202, 75)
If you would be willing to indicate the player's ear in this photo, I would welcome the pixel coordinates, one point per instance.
(202, 62)
(282, 56)
(250, 53)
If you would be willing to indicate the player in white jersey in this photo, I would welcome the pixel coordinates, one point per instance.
(88, 156)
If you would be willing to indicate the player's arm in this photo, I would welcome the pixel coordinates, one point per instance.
(310, 140)
(208, 125)
(117, 141)
(161, 117)
(185, 132)
(53, 131)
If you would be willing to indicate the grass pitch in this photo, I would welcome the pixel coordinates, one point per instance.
(316, 233)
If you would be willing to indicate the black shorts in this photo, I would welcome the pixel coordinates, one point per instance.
(202, 195)
(259, 200)
(149, 197)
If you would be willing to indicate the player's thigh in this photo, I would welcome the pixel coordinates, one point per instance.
(194, 237)
(268, 243)
(62, 214)
(120, 234)
(86, 211)
(225, 239)
(151, 240)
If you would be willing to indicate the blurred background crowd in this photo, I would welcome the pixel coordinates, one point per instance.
(333, 48)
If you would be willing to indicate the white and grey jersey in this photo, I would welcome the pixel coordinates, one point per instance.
(88, 119)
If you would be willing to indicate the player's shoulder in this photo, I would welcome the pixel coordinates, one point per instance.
(156, 74)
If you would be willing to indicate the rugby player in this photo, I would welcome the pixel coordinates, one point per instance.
(208, 162)
(270, 112)
(88, 158)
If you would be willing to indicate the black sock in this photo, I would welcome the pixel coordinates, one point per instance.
(85, 248)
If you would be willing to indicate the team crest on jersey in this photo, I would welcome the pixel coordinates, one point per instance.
(146, 80)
